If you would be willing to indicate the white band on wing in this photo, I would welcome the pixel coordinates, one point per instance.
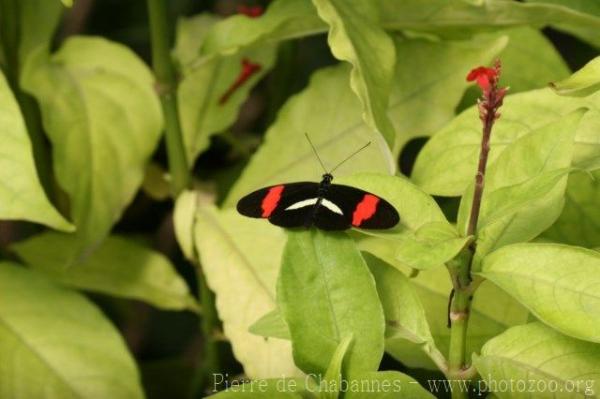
(312, 201)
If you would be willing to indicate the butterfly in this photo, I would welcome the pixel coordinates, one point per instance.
(324, 205)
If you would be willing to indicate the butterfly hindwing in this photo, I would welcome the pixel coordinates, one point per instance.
(362, 209)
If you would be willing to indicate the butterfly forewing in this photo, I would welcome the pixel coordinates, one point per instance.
(363, 209)
(271, 202)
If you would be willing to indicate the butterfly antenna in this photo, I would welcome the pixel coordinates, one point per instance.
(316, 153)
(350, 156)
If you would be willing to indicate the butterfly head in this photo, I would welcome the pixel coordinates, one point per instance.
(327, 178)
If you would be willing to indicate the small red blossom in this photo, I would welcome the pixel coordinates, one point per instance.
(484, 77)
(249, 68)
(492, 95)
(250, 11)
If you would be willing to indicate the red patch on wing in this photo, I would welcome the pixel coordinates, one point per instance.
(269, 203)
(365, 209)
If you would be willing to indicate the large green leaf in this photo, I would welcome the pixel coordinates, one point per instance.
(583, 82)
(203, 83)
(404, 314)
(579, 222)
(240, 258)
(119, 267)
(354, 36)
(558, 283)
(430, 81)
(385, 385)
(493, 311)
(448, 162)
(54, 343)
(284, 19)
(547, 364)
(325, 293)
(21, 194)
(287, 19)
(103, 118)
(586, 11)
(460, 18)
(330, 113)
(524, 187)
(37, 25)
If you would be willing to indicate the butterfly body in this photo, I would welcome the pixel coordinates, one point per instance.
(323, 205)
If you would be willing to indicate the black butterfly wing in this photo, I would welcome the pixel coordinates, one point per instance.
(360, 208)
(296, 206)
(271, 202)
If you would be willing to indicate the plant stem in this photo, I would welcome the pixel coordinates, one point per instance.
(166, 86)
(210, 351)
(464, 286)
(209, 362)
(480, 176)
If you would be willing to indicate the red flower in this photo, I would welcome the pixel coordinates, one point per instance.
(250, 11)
(248, 69)
(493, 96)
(484, 76)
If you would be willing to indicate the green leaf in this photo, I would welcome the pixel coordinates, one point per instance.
(328, 111)
(249, 249)
(205, 82)
(385, 385)
(448, 162)
(579, 17)
(184, 222)
(492, 312)
(463, 18)
(283, 388)
(530, 60)
(542, 358)
(333, 375)
(583, 82)
(119, 267)
(100, 164)
(156, 182)
(38, 22)
(404, 313)
(325, 292)
(421, 103)
(580, 218)
(21, 194)
(432, 245)
(284, 19)
(524, 194)
(55, 343)
(354, 36)
(558, 283)
(271, 325)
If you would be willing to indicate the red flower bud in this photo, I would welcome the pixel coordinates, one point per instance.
(248, 69)
(250, 11)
